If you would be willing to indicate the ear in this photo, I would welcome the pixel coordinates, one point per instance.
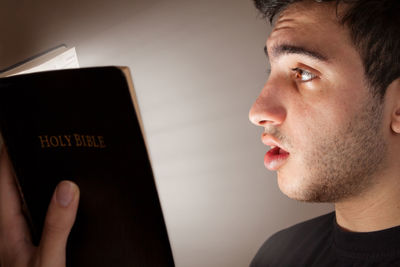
(396, 122)
(394, 87)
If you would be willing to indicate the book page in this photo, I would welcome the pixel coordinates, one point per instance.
(66, 60)
(60, 58)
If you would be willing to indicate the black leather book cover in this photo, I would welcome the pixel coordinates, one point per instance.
(81, 125)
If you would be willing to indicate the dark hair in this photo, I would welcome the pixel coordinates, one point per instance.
(375, 31)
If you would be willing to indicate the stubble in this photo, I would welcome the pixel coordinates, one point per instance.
(344, 164)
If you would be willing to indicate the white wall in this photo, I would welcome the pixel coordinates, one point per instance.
(197, 68)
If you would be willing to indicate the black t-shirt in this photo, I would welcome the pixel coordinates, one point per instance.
(321, 242)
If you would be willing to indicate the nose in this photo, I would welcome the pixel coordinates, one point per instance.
(268, 108)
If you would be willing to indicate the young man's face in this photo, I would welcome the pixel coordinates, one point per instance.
(316, 106)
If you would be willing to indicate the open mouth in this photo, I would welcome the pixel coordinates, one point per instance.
(275, 158)
(276, 150)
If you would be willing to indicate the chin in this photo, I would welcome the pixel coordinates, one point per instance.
(289, 184)
(296, 187)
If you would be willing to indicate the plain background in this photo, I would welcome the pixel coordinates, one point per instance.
(197, 67)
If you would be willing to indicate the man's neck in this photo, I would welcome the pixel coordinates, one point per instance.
(377, 209)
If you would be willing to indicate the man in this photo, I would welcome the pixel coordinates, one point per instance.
(331, 114)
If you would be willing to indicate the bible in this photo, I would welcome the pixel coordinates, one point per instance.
(84, 125)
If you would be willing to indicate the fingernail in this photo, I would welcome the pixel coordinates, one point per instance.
(65, 193)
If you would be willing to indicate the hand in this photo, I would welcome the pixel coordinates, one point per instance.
(16, 249)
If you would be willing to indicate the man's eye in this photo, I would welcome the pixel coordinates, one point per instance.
(303, 75)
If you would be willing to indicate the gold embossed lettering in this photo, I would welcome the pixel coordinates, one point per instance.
(44, 141)
(61, 141)
(78, 141)
(68, 138)
(83, 140)
(89, 140)
(95, 143)
(54, 141)
(101, 141)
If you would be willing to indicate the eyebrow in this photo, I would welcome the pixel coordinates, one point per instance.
(285, 49)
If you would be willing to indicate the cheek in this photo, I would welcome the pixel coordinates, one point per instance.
(312, 119)
(309, 127)
(301, 131)
(345, 96)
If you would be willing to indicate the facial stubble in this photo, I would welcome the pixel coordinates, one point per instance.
(343, 165)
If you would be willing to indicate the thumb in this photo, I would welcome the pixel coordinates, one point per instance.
(58, 223)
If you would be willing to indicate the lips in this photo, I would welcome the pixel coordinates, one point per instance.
(276, 156)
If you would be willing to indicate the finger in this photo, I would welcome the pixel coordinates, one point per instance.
(14, 231)
(58, 223)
